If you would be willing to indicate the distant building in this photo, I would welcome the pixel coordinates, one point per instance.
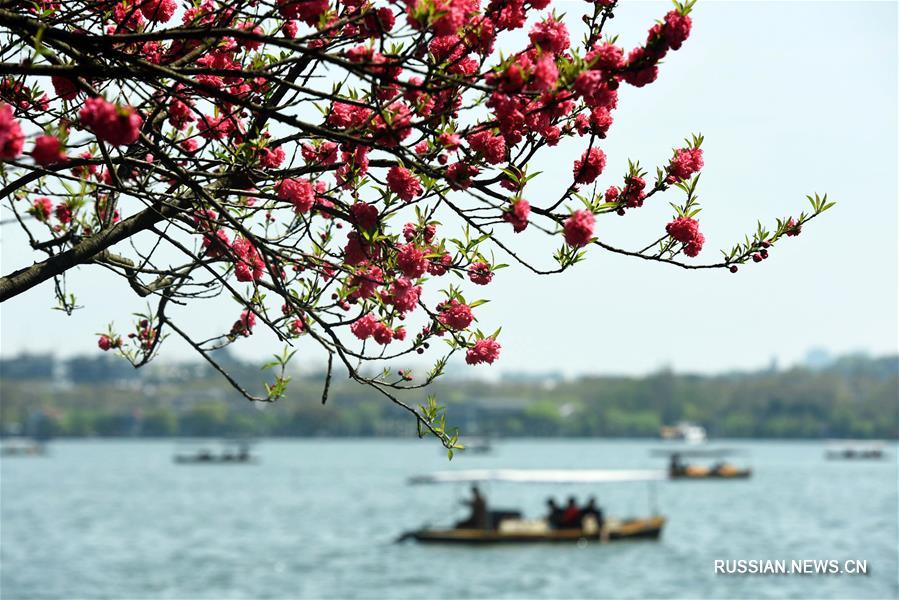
(818, 358)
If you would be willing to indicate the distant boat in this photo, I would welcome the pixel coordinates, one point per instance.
(720, 470)
(478, 445)
(23, 447)
(686, 431)
(231, 452)
(508, 526)
(855, 450)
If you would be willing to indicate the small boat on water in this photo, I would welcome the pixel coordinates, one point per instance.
(855, 450)
(478, 445)
(23, 447)
(686, 431)
(231, 452)
(677, 469)
(537, 530)
(508, 526)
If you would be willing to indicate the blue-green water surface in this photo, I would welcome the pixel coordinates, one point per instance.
(317, 519)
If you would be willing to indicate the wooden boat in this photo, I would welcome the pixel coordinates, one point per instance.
(526, 532)
(508, 526)
(23, 447)
(679, 470)
(230, 454)
(855, 450)
(725, 471)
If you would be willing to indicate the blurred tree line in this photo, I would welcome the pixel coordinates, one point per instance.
(853, 397)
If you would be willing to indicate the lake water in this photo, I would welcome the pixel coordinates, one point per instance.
(317, 519)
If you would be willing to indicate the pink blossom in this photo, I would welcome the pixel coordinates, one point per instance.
(600, 120)
(41, 209)
(364, 326)
(216, 128)
(455, 315)
(297, 191)
(439, 266)
(551, 36)
(578, 228)
(676, 29)
(404, 295)
(606, 57)
(158, 10)
(365, 215)
(480, 273)
(216, 244)
(323, 154)
(694, 246)
(248, 265)
(190, 145)
(633, 193)
(683, 229)
(378, 22)
(491, 147)
(593, 87)
(459, 175)
(64, 87)
(382, 334)
(271, 157)
(12, 140)
(244, 325)
(104, 342)
(48, 151)
(366, 281)
(686, 231)
(297, 327)
(411, 260)
(589, 166)
(63, 213)
(118, 125)
(308, 11)
(346, 116)
(357, 250)
(518, 214)
(641, 68)
(181, 113)
(290, 29)
(545, 73)
(686, 161)
(485, 350)
(403, 183)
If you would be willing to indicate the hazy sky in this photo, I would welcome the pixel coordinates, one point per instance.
(793, 98)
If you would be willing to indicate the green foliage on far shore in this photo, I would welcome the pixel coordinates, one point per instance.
(853, 397)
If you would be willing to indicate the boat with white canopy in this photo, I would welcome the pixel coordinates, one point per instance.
(503, 526)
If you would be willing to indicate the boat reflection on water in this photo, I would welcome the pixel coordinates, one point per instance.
(231, 452)
(508, 526)
(677, 469)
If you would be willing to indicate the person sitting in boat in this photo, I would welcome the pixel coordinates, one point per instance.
(479, 516)
(591, 516)
(675, 467)
(554, 516)
(571, 516)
